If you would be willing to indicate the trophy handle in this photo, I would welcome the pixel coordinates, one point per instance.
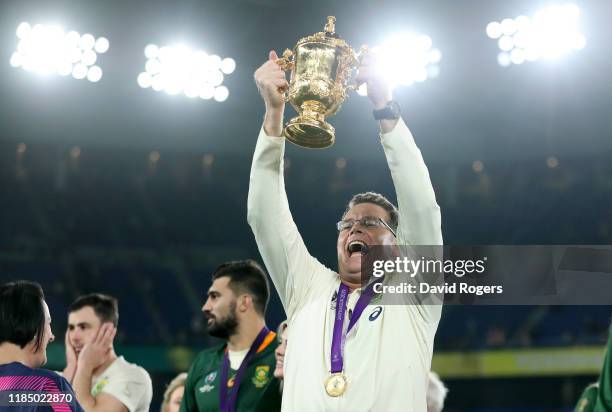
(364, 51)
(286, 63)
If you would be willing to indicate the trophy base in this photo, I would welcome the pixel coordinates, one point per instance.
(312, 134)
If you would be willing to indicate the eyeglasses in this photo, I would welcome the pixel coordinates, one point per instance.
(368, 221)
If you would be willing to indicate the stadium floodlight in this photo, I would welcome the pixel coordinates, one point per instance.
(550, 33)
(50, 50)
(405, 59)
(179, 69)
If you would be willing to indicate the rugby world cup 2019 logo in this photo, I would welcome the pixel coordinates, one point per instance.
(208, 380)
(261, 376)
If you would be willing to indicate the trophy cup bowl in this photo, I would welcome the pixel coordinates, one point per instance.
(322, 66)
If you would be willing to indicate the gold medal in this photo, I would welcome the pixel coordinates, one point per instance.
(336, 384)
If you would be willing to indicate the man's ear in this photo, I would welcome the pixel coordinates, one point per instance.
(245, 302)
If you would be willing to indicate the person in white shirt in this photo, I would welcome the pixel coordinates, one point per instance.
(380, 362)
(102, 380)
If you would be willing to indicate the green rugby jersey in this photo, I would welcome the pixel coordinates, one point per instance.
(259, 390)
(587, 400)
(604, 396)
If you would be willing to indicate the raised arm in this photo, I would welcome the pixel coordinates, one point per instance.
(419, 214)
(280, 244)
(92, 356)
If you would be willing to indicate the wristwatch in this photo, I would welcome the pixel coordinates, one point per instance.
(391, 111)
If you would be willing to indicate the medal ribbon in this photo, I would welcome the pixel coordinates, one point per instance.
(228, 401)
(337, 363)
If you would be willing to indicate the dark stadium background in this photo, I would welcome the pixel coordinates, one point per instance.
(111, 220)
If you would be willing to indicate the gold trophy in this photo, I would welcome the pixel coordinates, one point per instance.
(322, 67)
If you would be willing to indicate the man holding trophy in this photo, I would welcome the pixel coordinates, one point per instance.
(342, 355)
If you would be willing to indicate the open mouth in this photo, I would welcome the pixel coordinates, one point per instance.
(357, 246)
